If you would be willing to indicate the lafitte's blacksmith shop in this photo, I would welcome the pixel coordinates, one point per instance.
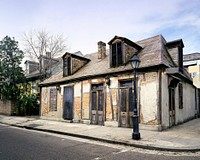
(97, 88)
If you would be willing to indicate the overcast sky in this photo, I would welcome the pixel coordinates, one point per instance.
(85, 22)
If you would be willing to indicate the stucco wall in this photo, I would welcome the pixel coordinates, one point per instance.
(188, 111)
(181, 115)
(148, 98)
(196, 78)
(165, 101)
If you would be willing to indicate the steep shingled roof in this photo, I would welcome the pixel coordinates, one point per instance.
(153, 53)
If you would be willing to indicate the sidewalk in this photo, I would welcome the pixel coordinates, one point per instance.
(182, 138)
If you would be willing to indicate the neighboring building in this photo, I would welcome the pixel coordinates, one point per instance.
(35, 75)
(192, 63)
(97, 88)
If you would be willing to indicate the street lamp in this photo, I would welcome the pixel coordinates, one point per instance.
(135, 62)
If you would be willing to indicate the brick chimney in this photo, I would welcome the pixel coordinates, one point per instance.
(101, 50)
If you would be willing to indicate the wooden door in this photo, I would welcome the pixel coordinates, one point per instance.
(97, 105)
(68, 99)
(126, 105)
(171, 106)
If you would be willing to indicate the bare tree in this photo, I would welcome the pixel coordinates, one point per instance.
(38, 44)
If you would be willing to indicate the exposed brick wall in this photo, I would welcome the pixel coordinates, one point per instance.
(77, 108)
(85, 108)
(45, 101)
(113, 93)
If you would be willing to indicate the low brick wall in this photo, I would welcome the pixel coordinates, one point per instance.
(6, 107)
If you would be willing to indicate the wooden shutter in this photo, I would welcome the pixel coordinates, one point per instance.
(94, 100)
(123, 100)
(114, 55)
(53, 100)
(119, 54)
(100, 100)
(67, 66)
(180, 88)
(131, 98)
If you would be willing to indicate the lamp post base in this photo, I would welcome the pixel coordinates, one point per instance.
(136, 135)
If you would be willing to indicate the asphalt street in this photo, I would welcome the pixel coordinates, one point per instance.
(22, 144)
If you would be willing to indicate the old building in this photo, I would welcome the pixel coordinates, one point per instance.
(35, 73)
(97, 88)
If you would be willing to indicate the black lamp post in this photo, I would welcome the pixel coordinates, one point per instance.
(135, 62)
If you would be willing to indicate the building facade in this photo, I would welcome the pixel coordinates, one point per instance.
(98, 88)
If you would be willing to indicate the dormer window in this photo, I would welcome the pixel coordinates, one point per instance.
(122, 50)
(116, 55)
(67, 69)
(72, 62)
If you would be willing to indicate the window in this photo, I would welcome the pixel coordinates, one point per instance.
(116, 55)
(53, 100)
(67, 66)
(180, 90)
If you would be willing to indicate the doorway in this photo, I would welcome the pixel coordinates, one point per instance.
(172, 111)
(171, 106)
(126, 104)
(68, 102)
(97, 104)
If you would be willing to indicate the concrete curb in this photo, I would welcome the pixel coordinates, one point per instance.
(149, 147)
(142, 146)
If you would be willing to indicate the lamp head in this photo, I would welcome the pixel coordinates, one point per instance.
(135, 61)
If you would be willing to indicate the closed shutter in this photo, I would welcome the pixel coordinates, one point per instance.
(67, 66)
(114, 55)
(94, 100)
(100, 100)
(123, 100)
(53, 100)
(119, 54)
(180, 87)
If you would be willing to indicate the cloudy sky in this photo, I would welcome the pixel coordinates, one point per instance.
(85, 22)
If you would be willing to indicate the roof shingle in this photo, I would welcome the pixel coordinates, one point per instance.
(153, 53)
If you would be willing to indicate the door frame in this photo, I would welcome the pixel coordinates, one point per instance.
(103, 104)
(172, 90)
(172, 107)
(128, 113)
